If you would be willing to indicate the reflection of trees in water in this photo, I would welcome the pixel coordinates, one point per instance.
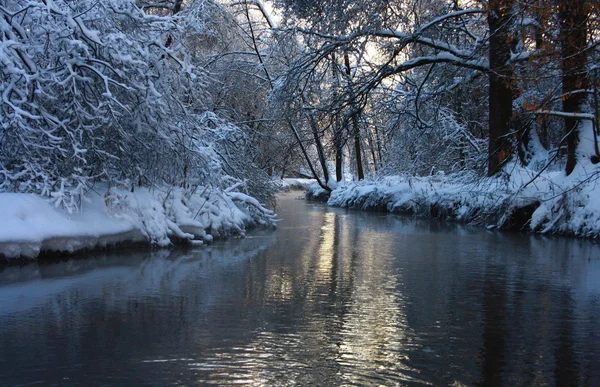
(532, 333)
(458, 306)
(375, 332)
(345, 316)
(493, 351)
(333, 297)
(104, 315)
(566, 368)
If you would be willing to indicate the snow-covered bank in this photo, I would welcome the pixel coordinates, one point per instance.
(300, 184)
(31, 225)
(517, 198)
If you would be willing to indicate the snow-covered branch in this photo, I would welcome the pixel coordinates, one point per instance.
(91, 92)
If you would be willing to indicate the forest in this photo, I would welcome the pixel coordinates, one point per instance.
(473, 109)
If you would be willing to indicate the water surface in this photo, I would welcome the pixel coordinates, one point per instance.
(333, 297)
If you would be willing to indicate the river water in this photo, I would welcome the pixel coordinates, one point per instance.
(333, 297)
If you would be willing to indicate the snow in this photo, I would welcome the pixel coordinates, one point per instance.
(558, 204)
(289, 183)
(31, 224)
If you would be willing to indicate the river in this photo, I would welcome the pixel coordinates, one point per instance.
(333, 297)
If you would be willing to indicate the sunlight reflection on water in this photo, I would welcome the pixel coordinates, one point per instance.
(333, 297)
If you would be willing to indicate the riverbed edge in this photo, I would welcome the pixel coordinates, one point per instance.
(555, 205)
(115, 218)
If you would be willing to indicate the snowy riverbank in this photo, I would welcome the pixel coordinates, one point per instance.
(298, 184)
(517, 198)
(31, 225)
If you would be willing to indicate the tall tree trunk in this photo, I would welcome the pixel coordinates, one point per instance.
(338, 129)
(320, 149)
(355, 126)
(339, 155)
(500, 93)
(379, 152)
(357, 148)
(573, 29)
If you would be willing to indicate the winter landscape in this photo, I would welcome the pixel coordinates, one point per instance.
(177, 115)
(169, 130)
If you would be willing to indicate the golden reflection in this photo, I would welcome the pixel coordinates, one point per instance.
(326, 248)
(351, 327)
(280, 285)
(375, 330)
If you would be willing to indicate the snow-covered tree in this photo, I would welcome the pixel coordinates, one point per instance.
(108, 91)
(492, 67)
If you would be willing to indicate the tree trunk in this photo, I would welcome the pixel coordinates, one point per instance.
(379, 152)
(338, 129)
(338, 143)
(320, 149)
(523, 145)
(306, 157)
(177, 6)
(500, 93)
(372, 149)
(355, 126)
(175, 11)
(339, 165)
(573, 29)
(357, 148)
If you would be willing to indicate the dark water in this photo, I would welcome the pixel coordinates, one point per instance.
(331, 298)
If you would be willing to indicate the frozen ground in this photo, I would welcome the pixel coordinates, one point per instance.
(30, 224)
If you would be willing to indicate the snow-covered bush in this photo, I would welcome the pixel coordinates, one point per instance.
(105, 91)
